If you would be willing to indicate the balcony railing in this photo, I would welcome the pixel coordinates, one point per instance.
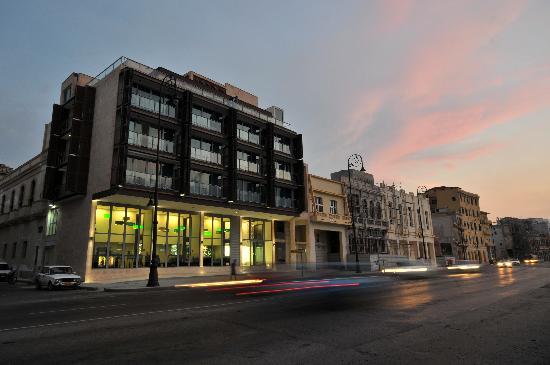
(249, 196)
(206, 123)
(281, 147)
(205, 189)
(248, 137)
(282, 174)
(152, 105)
(182, 84)
(284, 202)
(148, 180)
(142, 140)
(206, 156)
(248, 166)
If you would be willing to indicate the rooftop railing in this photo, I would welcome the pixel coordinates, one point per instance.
(149, 71)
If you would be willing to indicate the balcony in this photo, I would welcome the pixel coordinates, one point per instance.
(150, 103)
(205, 189)
(249, 196)
(206, 123)
(281, 202)
(148, 180)
(283, 175)
(206, 156)
(331, 218)
(281, 147)
(142, 140)
(27, 212)
(248, 137)
(248, 166)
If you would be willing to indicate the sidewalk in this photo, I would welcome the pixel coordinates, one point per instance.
(170, 283)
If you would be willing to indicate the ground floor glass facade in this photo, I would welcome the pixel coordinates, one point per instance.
(123, 239)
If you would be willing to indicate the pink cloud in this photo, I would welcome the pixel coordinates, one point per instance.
(451, 63)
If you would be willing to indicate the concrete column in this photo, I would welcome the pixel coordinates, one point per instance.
(235, 239)
(310, 246)
(291, 243)
(201, 230)
(344, 246)
(431, 250)
(90, 248)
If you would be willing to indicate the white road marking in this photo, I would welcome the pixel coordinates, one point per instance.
(132, 315)
(77, 309)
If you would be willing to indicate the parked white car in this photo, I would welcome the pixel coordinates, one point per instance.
(5, 271)
(54, 277)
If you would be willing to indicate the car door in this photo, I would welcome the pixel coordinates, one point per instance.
(44, 277)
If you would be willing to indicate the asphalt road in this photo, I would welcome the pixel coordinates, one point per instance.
(498, 316)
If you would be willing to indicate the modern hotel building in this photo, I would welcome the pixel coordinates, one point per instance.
(231, 175)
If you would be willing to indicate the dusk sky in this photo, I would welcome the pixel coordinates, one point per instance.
(453, 93)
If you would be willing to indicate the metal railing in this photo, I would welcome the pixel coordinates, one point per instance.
(184, 85)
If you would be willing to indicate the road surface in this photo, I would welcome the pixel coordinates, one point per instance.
(497, 316)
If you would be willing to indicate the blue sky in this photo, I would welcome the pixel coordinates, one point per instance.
(429, 92)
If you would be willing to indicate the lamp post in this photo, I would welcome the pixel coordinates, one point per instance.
(421, 190)
(354, 161)
(168, 80)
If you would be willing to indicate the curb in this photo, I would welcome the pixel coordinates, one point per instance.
(138, 290)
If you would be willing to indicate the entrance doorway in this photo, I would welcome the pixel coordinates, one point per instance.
(216, 248)
(257, 242)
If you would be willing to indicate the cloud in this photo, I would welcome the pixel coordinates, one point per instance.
(447, 88)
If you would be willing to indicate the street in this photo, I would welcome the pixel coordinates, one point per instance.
(497, 316)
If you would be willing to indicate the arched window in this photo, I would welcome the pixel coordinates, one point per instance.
(378, 211)
(3, 204)
(21, 196)
(12, 200)
(31, 193)
(371, 209)
(365, 208)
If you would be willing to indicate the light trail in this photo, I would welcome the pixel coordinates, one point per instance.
(220, 283)
(297, 289)
(262, 285)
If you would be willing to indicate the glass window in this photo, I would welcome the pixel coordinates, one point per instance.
(319, 204)
(204, 118)
(247, 133)
(122, 238)
(283, 170)
(141, 172)
(204, 183)
(248, 162)
(144, 135)
(147, 99)
(256, 244)
(281, 144)
(284, 197)
(51, 228)
(333, 207)
(250, 192)
(206, 151)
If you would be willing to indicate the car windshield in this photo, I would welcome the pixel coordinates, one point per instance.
(4, 267)
(61, 270)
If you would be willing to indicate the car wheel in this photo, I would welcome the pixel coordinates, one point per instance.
(37, 285)
(50, 286)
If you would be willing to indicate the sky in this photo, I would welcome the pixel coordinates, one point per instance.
(453, 93)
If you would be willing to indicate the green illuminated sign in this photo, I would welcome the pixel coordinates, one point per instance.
(207, 234)
(106, 215)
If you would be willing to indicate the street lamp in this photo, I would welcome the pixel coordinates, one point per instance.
(168, 80)
(354, 161)
(421, 190)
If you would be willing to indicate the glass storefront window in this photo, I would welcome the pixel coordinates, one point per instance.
(257, 243)
(215, 241)
(123, 237)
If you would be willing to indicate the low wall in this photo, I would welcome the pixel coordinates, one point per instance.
(117, 275)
